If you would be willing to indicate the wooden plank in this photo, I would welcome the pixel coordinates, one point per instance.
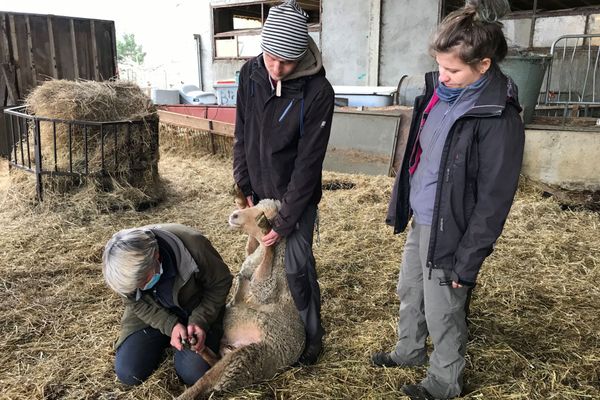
(4, 46)
(94, 50)
(3, 93)
(53, 65)
(74, 48)
(7, 74)
(30, 52)
(85, 57)
(61, 29)
(105, 43)
(21, 54)
(40, 49)
(201, 124)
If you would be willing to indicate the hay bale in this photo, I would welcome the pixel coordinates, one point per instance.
(116, 158)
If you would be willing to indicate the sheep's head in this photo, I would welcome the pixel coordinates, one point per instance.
(254, 221)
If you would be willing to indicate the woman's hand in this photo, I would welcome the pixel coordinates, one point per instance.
(456, 285)
(178, 334)
(194, 331)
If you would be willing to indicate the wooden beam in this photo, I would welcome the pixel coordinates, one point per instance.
(74, 47)
(7, 74)
(4, 46)
(201, 124)
(30, 47)
(52, 48)
(15, 49)
(94, 50)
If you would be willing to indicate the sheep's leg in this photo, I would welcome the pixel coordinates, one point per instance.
(263, 271)
(242, 367)
(251, 245)
(239, 289)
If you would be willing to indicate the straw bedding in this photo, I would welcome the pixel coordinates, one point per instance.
(534, 317)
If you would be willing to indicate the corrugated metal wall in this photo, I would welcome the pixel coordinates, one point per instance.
(34, 48)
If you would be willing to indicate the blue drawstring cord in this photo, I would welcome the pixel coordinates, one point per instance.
(286, 110)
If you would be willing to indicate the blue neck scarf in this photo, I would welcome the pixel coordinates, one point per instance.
(450, 95)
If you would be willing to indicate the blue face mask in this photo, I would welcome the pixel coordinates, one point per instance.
(154, 280)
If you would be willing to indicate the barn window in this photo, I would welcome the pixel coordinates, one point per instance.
(537, 23)
(237, 27)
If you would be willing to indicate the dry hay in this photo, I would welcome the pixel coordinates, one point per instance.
(534, 316)
(119, 158)
(186, 141)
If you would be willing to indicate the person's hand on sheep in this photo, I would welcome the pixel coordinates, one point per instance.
(194, 331)
(249, 201)
(270, 238)
(177, 334)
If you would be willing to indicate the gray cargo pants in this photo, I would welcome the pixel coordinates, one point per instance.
(302, 275)
(426, 307)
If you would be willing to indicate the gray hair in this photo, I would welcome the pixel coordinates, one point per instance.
(128, 259)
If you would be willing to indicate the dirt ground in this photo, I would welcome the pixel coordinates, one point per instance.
(534, 325)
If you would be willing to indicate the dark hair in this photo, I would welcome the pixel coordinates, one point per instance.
(474, 31)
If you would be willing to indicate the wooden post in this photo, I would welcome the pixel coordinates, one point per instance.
(52, 48)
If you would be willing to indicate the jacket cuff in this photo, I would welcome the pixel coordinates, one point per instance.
(169, 324)
(457, 279)
(201, 323)
(279, 226)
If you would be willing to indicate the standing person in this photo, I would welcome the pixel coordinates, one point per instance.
(174, 285)
(458, 180)
(284, 113)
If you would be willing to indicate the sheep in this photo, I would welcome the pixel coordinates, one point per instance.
(263, 332)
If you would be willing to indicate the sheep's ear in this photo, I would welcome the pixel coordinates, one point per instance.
(238, 196)
(263, 223)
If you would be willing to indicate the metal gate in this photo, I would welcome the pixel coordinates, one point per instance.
(573, 76)
(27, 144)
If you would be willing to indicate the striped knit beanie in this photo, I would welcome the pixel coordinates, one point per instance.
(285, 33)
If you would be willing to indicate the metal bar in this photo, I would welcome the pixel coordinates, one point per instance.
(102, 147)
(570, 82)
(27, 141)
(85, 148)
(128, 143)
(533, 19)
(55, 151)
(71, 148)
(18, 112)
(587, 70)
(21, 141)
(38, 161)
(594, 76)
(12, 132)
(115, 130)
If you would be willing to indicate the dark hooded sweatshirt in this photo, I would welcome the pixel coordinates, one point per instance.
(280, 142)
(477, 179)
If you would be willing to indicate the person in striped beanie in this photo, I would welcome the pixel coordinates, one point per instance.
(283, 122)
(285, 34)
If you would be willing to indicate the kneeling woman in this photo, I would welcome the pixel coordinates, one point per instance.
(174, 285)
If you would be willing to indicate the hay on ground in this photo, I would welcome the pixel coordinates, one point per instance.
(533, 324)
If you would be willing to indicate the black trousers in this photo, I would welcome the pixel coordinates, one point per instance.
(302, 275)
